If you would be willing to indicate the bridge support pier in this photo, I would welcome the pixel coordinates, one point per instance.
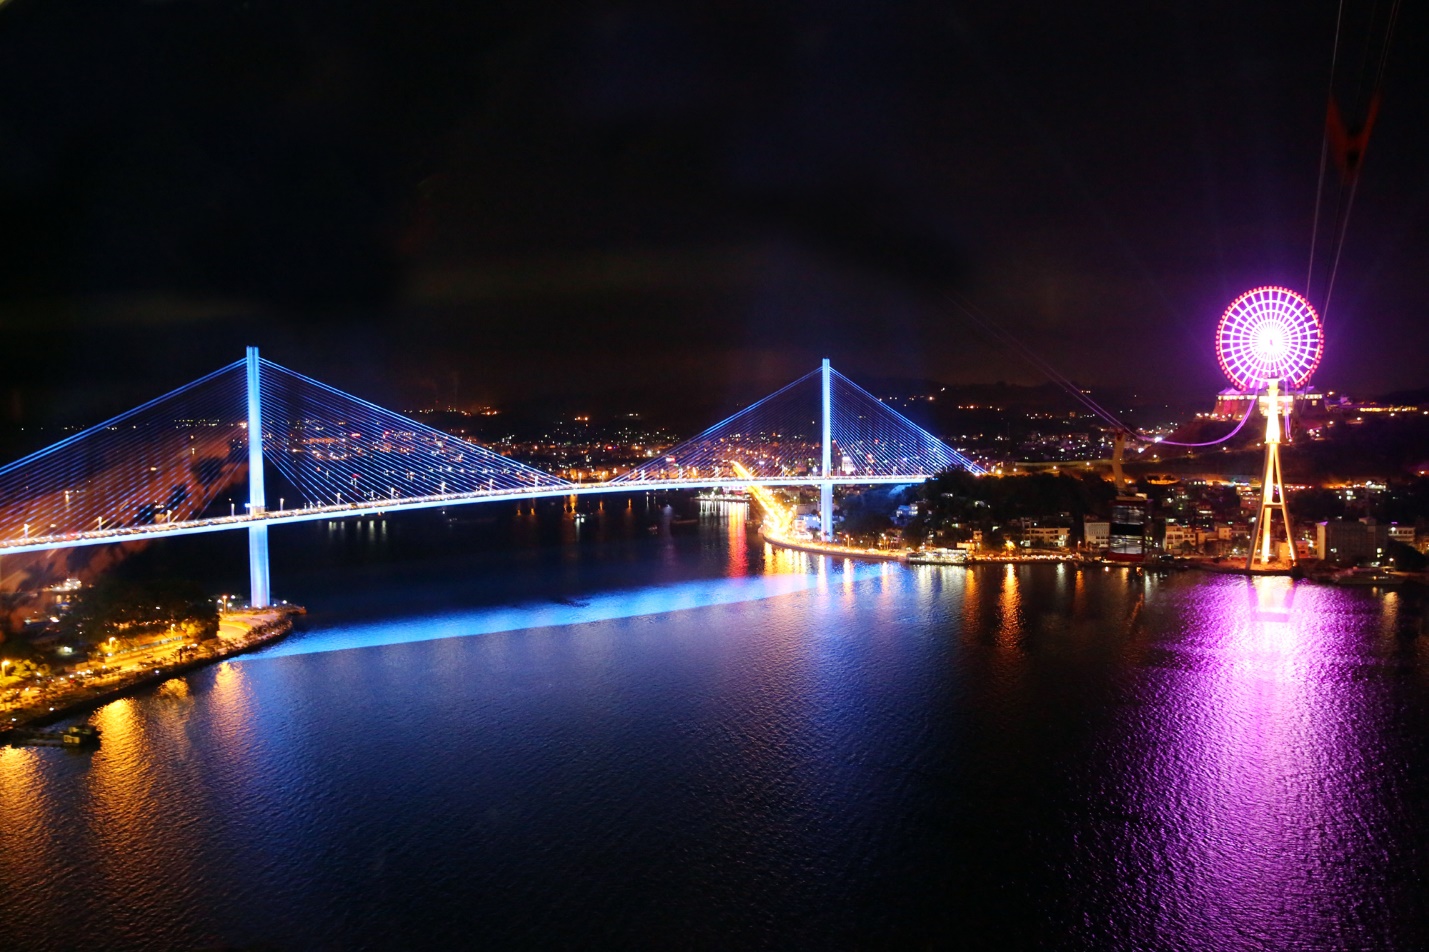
(259, 596)
(258, 531)
(826, 488)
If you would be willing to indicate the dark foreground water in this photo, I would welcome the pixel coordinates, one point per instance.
(521, 733)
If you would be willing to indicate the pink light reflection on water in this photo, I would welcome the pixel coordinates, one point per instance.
(1256, 783)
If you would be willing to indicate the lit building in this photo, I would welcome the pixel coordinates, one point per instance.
(1130, 519)
(1340, 540)
(1181, 538)
(1232, 404)
(1047, 537)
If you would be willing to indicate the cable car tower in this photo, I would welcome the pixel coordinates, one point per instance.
(1268, 339)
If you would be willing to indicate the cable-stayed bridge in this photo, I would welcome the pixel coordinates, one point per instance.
(159, 469)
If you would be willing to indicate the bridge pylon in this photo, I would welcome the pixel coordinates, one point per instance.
(826, 487)
(259, 595)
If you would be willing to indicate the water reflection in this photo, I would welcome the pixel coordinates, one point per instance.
(1254, 775)
(653, 600)
(1009, 605)
(25, 821)
(735, 524)
(802, 754)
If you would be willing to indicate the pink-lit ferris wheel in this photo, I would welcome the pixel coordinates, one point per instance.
(1269, 335)
(1270, 338)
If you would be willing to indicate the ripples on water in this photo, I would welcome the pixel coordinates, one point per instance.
(697, 742)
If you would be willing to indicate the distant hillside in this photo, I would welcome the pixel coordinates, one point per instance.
(1390, 448)
(1411, 398)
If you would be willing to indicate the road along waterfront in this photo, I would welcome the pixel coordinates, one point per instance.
(62, 696)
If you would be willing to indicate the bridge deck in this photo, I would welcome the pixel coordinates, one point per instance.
(375, 506)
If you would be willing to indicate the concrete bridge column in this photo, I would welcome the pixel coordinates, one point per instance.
(258, 531)
(826, 488)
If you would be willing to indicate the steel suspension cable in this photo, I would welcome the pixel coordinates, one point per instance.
(1250, 408)
(1324, 151)
(1343, 220)
(1026, 353)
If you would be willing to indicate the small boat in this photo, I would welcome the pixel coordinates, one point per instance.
(1366, 578)
(81, 735)
(77, 737)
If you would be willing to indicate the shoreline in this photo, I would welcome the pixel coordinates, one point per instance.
(885, 555)
(1180, 565)
(833, 551)
(260, 629)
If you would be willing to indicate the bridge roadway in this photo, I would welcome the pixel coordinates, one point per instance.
(377, 506)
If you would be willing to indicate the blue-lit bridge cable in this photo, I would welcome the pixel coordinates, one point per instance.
(163, 461)
(778, 435)
(336, 449)
(781, 437)
(872, 439)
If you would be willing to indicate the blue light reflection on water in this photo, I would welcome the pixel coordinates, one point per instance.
(799, 755)
(679, 596)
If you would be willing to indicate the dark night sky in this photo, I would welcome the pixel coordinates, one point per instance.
(418, 199)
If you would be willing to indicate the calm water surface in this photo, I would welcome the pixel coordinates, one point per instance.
(517, 731)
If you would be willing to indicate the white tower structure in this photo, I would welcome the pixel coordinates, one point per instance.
(826, 485)
(257, 531)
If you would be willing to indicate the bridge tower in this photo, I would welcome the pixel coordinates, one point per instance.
(826, 486)
(258, 530)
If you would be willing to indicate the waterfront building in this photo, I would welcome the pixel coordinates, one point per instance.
(1046, 537)
(1181, 538)
(1342, 540)
(1130, 522)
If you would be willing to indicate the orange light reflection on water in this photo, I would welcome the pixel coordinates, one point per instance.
(1009, 604)
(736, 529)
(972, 606)
(24, 818)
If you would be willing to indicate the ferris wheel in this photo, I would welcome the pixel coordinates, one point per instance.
(1269, 335)
(1267, 339)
